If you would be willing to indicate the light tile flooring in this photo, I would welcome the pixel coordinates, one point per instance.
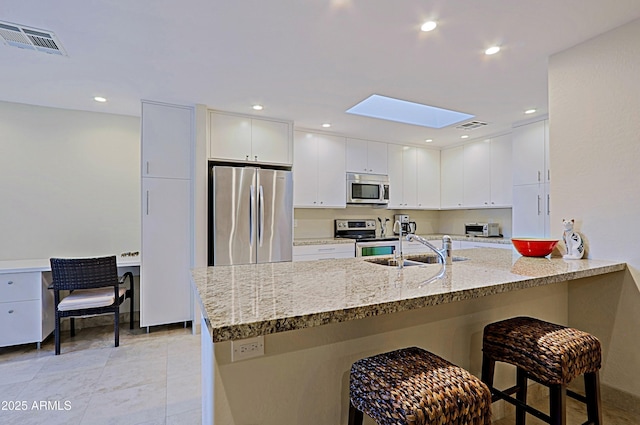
(150, 379)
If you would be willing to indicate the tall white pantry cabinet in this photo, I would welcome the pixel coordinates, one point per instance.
(168, 134)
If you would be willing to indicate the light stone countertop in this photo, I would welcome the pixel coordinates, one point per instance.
(259, 299)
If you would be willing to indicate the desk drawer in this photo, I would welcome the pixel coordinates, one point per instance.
(20, 322)
(20, 286)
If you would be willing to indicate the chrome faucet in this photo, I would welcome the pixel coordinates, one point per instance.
(444, 253)
(399, 256)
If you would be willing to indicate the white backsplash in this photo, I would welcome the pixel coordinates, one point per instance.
(318, 223)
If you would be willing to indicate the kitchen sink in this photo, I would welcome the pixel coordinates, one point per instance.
(411, 260)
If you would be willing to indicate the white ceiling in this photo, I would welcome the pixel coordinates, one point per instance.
(305, 60)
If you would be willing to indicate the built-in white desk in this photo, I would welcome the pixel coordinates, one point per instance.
(26, 303)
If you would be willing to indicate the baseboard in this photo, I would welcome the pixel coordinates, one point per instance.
(620, 399)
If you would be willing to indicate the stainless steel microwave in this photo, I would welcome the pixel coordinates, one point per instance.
(367, 189)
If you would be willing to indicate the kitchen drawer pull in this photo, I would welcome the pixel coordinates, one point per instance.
(326, 249)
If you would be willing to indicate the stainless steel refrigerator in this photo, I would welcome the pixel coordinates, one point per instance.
(250, 215)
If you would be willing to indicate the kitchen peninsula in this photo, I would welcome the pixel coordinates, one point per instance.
(367, 308)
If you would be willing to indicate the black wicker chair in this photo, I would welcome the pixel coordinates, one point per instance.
(94, 289)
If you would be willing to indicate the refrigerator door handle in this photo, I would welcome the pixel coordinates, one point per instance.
(261, 215)
(252, 198)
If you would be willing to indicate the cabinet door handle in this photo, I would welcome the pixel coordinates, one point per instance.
(147, 202)
(539, 205)
(255, 158)
(548, 204)
(10, 311)
(538, 175)
(147, 167)
(10, 282)
(247, 157)
(548, 174)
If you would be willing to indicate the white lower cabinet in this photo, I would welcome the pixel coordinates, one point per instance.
(26, 308)
(165, 294)
(470, 244)
(323, 252)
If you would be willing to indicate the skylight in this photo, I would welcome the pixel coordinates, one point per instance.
(388, 108)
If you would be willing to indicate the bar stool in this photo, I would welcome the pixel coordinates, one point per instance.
(549, 354)
(415, 387)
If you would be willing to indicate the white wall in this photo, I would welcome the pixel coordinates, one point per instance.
(70, 182)
(594, 123)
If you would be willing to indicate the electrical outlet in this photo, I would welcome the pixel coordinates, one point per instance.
(295, 223)
(247, 348)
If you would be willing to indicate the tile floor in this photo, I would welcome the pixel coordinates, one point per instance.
(151, 379)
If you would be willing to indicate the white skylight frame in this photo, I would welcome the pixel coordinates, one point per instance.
(398, 110)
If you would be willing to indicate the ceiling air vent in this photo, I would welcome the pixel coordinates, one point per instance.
(31, 38)
(471, 125)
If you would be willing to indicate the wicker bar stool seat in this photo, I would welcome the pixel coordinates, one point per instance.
(550, 354)
(415, 387)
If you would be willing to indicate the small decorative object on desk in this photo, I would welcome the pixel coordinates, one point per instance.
(572, 240)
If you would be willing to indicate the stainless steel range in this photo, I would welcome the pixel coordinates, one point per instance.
(364, 232)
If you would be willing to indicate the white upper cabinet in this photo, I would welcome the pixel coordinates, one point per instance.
(501, 171)
(166, 140)
(530, 149)
(428, 178)
(245, 138)
(319, 170)
(402, 176)
(477, 174)
(365, 156)
(451, 177)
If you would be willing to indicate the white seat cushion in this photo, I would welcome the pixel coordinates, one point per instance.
(89, 298)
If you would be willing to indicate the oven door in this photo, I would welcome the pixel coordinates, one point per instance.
(368, 249)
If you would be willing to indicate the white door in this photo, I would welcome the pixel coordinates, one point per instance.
(477, 174)
(428, 178)
(377, 157)
(501, 171)
(166, 138)
(528, 211)
(451, 177)
(165, 292)
(528, 153)
(396, 183)
(305, 169)
(332, 183)
(409, 177)
(357, 152)
(270, 141)
(230, 136)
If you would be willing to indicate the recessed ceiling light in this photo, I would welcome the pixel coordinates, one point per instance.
(428, 140)
(258, 107)
(100, 99)
(530, 111)
(326, 125)
(492, 50)
(464, 136)
(388, 108)
(428, 26)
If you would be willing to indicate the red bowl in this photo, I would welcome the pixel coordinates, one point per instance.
(534, 247)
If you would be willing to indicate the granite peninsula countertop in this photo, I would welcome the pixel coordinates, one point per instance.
(249, 300)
